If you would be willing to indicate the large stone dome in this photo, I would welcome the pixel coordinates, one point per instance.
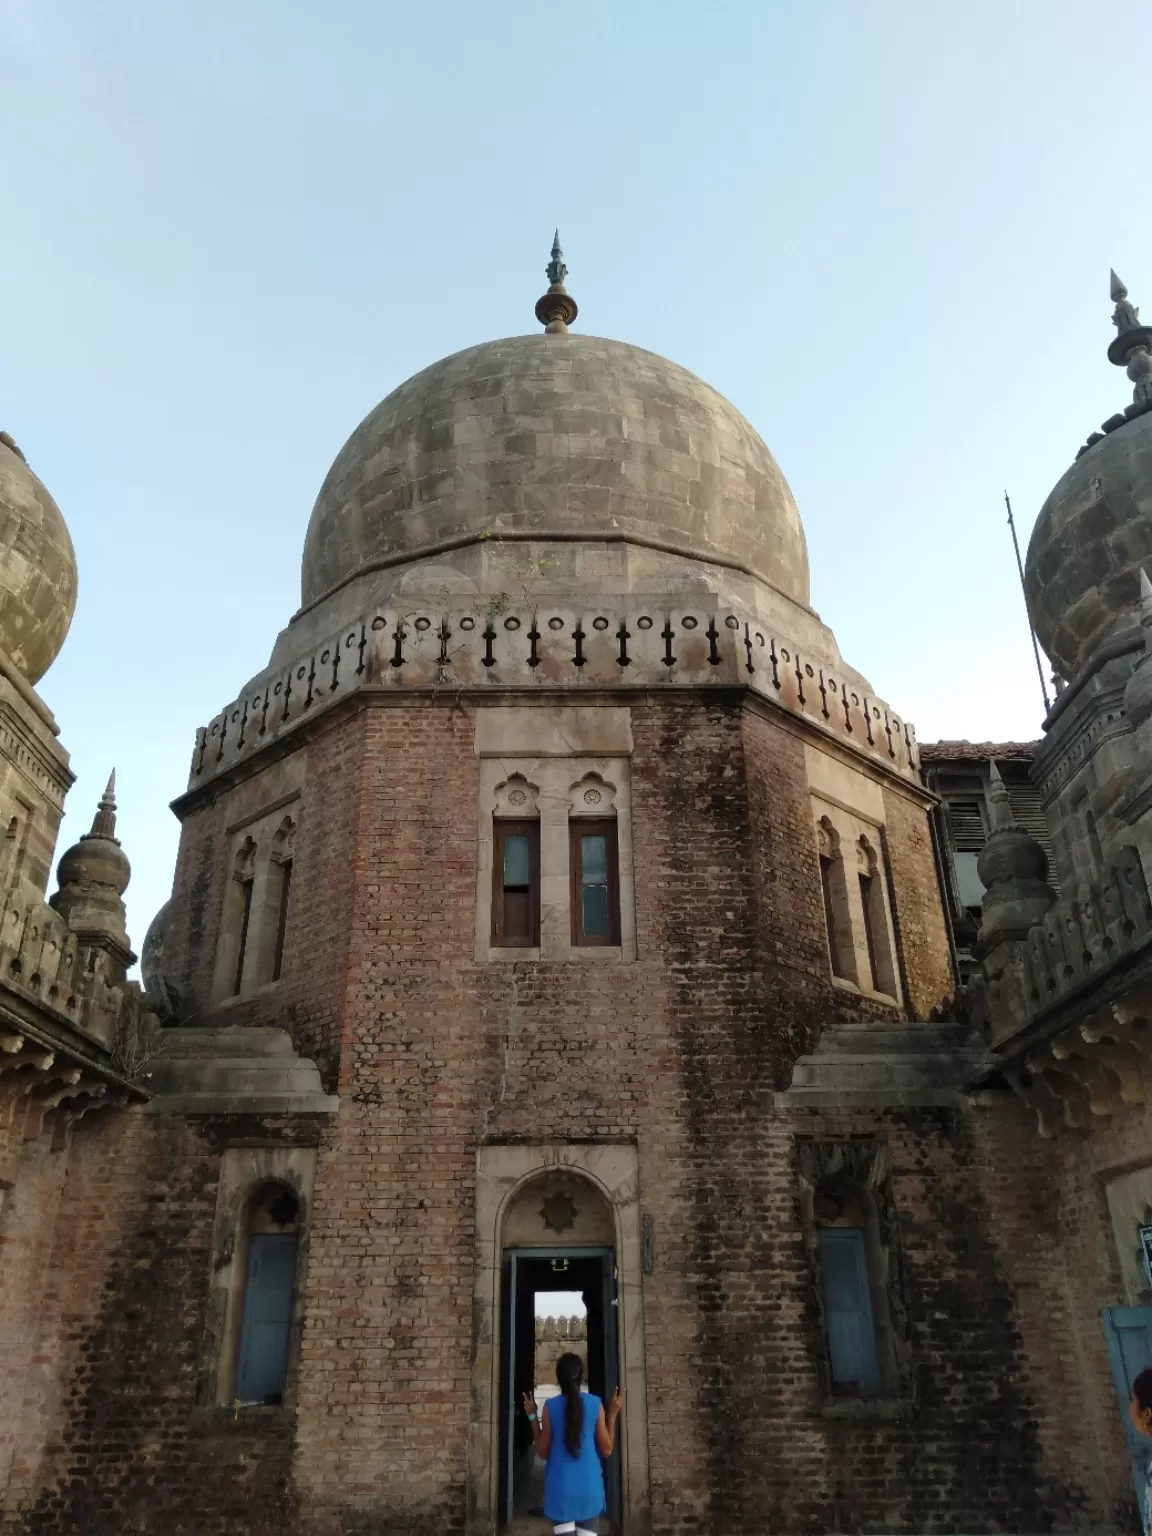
(37, 568)
(562, 435)
(1092, 536)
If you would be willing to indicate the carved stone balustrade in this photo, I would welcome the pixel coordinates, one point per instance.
(1068, 1008)
(44, 961)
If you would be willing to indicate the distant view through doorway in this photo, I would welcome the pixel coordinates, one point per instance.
(556, 1301)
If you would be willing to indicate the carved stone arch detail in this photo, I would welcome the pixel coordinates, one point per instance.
(244, 860)
(593, 795)
(827, 838)
(517, 798)
(284, 840)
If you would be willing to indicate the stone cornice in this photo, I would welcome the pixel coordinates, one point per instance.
(44, 765)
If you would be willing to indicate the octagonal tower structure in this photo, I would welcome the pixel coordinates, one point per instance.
(555, 833)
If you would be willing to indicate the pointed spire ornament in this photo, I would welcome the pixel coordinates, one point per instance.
(999, 805)
(1131, 347)
(1014, 870)
(556, 310)
(104, 822)
(1125, 317)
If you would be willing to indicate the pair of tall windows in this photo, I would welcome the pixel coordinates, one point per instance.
(860, 948)
(594, 868)
(280, 877)
(254, 923)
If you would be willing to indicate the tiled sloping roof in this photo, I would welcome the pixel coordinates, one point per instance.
(944, 751)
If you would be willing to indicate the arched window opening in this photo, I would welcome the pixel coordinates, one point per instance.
(516, 866)
(277, 893)
(238, 916)
(273, 1236)
(837, 913)
(594, 863)
(842, 1223)
(882, 971)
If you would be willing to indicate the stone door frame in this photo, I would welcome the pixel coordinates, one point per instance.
(501, 1172)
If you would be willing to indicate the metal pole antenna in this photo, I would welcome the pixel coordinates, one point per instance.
(1031, 631)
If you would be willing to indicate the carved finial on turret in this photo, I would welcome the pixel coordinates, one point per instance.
(1131, 347)
(1014, 870)
(999, 805)
(1125, 317)
(104, 822)
(557, 309)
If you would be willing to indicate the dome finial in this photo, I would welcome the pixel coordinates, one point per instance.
(1130, 348)
(104, 822)
(557, 309)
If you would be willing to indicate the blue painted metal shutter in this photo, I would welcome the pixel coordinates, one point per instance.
(848, 1310)
(1129, 1334)
(267, 1316)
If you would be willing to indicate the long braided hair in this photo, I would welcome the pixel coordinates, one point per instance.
(569, 1378)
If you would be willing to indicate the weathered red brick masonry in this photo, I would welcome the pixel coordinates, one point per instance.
(560, 912)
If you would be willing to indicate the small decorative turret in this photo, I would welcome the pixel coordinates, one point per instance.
(1014, 870)
(93, 876)
(1138, 692)
(556, 310)
(1131, 346)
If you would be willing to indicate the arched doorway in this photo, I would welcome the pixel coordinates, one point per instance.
(504, 1173)
(558, 1262)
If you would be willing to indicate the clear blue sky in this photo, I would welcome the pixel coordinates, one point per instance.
(883, 228)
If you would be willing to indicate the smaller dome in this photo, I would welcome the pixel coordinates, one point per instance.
(152, 949)
(94, 874)
(37, 568)
(95, 861)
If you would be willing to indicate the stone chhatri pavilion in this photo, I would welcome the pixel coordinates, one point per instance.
(559, 913)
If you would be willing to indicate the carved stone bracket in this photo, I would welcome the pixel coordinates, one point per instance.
(1089, 1070)
(41, 1091)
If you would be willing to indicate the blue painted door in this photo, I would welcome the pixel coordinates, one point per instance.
(848, 1311)
(267, 1317)
(1129, 1334)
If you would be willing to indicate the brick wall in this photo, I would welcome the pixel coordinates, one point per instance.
(682, 1052)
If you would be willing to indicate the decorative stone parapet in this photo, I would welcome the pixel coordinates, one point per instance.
(44, 961)
(546, 647)
(1068, 1009)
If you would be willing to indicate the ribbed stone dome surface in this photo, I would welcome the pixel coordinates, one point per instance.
(555, 434)
(1092, 536)
(37, 569)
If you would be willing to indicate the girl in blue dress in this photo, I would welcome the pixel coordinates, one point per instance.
(571, 1435)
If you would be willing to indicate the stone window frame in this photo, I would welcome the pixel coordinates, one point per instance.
(244, 1171)
(501, 1173)
(554, 787)
(856, 846)
(246, 951)
(862, 1164)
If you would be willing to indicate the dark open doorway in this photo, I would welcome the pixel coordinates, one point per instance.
(530, 1274)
